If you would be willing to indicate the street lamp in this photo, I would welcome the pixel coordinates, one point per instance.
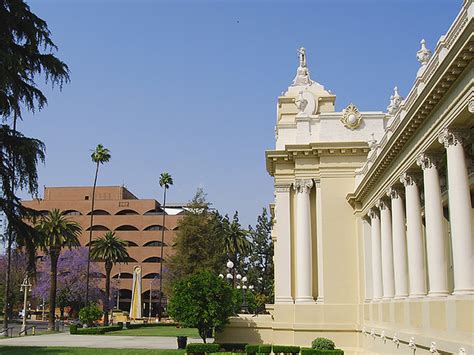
(25, 287)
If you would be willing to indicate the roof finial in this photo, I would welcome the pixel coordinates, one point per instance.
(424, 54)
(395, 102)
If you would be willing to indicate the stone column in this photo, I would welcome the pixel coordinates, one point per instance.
(435, 239)
(376, 254)
(319, 242)
(459, 212)
(365, 221)
(283, 254)
(387, 250)
(303, 242)
(415, 249)
(399, 244)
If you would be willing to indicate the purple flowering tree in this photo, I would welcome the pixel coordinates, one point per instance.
(72, 280)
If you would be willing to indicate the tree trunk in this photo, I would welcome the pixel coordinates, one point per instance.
(54, 255)
(108, 270)
(90, 235)
(160, 296)
(6, 296)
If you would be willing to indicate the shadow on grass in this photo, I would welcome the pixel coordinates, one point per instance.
(14, 350)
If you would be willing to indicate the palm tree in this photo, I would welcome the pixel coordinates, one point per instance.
(57, 232)
(165, 182)
(235, 239)
(99, 156)
(111, 250)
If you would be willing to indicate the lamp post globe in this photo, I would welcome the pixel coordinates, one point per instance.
(230, 264)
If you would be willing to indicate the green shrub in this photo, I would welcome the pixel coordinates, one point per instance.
(94, 330)
(251, 349)
(90, 314)
(198, 348)
(323, 344)
(287, 349)
(307, 351)
(73, 329)
(233, 347)
(265, 349)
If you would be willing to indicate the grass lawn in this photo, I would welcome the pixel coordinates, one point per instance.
(7, 350)
(158, 331)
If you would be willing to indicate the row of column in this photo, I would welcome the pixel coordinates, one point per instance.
(397, 237)
(303, 243)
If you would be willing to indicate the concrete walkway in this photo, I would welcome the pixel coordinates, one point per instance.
(97, 341)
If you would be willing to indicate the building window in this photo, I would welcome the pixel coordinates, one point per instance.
(126, 213)
(99, 213)
(154, 243)
(123, 275)
(153, 275)
(72, 213)
(98, 227)
(153, 259)
(155, 227)
(131, 244)
(126, 227)
(86, 197)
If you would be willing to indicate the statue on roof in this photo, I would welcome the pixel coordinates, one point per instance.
(302, 73)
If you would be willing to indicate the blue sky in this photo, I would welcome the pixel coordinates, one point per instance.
(190, 87)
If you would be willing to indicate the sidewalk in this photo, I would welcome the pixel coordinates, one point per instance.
(97, 341)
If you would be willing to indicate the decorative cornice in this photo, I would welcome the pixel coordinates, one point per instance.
(303, 185)
(446, 64)
(282, 188)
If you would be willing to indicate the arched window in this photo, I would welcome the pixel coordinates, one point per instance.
(131, 260)
(176, 228)
(126, 227)
(131, 244)
(98, 227)
(154, 227)
(123, 275)
(153, 259)
(125, 294)
(126, 213)
(72, 213)
(154, 243)
(99, 213)
(152, 275)
(154, 212)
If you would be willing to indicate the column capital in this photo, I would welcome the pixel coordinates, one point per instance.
(303, 185)
(452, 136)
(382, 204)
(394, 192)
(373, 213)
(410, 179)
(428, 161)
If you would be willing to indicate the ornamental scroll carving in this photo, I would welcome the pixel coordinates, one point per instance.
(410, 179)
(449, 137)
(428, 161)
(303, 185)
(394, 192)
(351, 117)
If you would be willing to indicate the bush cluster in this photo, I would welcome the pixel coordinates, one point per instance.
(74, 329)
(233, 347)
(265, 349)
(199, 349)
(251, 349)
(323, 344)
(286, 349)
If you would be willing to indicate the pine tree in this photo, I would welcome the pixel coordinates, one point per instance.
(199, 244)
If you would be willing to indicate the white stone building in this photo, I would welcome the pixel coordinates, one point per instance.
(373, 214)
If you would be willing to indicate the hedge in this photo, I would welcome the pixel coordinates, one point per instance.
(287, 349)
(321, 352)
(251, 349)
(73, 329)
(265, 349)
(198, 348)
(233, 347)
(148, 325)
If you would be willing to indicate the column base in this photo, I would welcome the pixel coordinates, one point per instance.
(400, 297)
(284, 300)
(417, 295)
(304, 299)
(438, 294)
(462, 292)
(320, 300)
(387, 298)
(377, 299)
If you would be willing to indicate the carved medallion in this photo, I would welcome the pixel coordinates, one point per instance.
(351, 117)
